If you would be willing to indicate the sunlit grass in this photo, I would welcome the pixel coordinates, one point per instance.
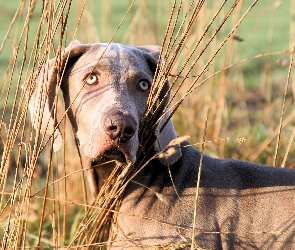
(244, 100)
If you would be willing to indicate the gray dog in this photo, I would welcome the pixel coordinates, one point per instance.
(241, 205)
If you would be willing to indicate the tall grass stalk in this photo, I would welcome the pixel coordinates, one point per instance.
(217, 68)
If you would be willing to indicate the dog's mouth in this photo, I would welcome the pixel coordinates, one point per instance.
(115, 154)
(104, 164)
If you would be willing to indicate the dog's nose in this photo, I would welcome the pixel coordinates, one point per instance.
(120, 127)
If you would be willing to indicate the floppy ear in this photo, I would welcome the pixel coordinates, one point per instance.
(165, 131)
(166, 134)
(41, 103)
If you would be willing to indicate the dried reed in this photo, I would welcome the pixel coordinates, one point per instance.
(191, 44)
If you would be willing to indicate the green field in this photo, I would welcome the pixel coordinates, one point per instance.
(244, 101)
(266, 28)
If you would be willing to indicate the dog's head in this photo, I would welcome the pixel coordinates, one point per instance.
(105, 89)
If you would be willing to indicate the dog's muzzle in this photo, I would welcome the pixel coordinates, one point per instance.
(119, 126)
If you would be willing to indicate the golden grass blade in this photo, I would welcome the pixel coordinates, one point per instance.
(198, 186)
(283, 106)
(190, 48)
(18, 11)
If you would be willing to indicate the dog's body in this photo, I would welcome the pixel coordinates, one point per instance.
(241, 205)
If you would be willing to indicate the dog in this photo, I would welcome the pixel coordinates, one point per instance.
(241, 205)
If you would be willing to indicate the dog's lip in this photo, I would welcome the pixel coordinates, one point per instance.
(115, 153)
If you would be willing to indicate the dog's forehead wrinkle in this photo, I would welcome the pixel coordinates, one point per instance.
(89, 96)
(123, 56)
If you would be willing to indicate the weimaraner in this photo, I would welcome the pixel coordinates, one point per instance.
(242, 205)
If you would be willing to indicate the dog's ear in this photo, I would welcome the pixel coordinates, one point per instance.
(165, 131)
(45, 82)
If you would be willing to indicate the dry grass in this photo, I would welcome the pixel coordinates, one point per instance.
(214, 94)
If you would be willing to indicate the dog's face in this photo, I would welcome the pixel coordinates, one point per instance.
(107, 90)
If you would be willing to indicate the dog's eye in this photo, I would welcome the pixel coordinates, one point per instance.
(143, 85)
(91, 79)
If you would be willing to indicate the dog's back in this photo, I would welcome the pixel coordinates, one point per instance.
(240, 205)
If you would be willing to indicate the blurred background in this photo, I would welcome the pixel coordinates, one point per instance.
(243, 102)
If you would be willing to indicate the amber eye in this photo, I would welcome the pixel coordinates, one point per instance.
(143, 85)
(91, 79)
